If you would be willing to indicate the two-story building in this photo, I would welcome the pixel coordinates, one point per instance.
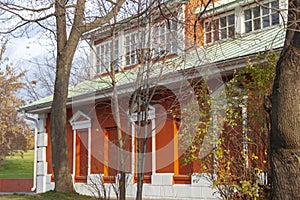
(166, 50)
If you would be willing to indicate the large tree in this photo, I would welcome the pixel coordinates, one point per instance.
(71, 20)
(285, 113)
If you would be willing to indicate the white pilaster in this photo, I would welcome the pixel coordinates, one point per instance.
(42, 143)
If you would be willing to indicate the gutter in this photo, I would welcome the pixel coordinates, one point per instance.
(35, 121)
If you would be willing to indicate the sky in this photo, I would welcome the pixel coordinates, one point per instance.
(20, 50)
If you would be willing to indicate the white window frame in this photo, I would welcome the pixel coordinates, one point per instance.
(212, 27)
(103, 57)
(76, 126)
(165, 38)
(130, 48)
(267, 7)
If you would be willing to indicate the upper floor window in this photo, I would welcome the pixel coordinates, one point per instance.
(104, 56)
(165, 38)
(261, 16)
(131, 44)
(219, 29)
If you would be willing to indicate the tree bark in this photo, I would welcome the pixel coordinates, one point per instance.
(285, 114)
(62, 175)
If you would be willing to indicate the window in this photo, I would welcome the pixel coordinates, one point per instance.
(104, 61)
(219, 29)
(261, 16)
(165, 38)
(131, 42)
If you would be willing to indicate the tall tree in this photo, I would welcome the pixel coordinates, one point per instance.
(285, 113)
(71, 22)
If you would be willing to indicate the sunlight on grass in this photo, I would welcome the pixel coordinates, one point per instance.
(18, 167)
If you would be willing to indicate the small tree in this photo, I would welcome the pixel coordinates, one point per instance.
(14, 133)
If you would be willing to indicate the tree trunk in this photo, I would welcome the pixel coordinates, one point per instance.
(140, 177)
(65, 53)
(62, 175)
(285, 114)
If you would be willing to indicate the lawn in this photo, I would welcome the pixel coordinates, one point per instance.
(18, 167)
(46, 196)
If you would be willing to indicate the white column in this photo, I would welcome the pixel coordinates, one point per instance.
(89, 151)
(42, 143)
(132, 149)
(153, 146)
(74, 156)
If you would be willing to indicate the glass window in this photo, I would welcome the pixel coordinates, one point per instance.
(221, 28)
(131, 40)
(104, 61)
(165, 38)
(261, 16)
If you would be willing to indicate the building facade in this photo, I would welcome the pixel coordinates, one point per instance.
(166, 52)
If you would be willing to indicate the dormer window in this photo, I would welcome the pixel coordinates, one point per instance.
(104, 54)
(220, 28)
(261, 16)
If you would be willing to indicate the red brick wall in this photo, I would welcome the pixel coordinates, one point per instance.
(16, 184)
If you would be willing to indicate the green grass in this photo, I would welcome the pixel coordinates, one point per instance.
(18, 167)
(46, 196)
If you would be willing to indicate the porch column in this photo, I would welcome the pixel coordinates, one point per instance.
(89, 150)
(42, 165)
(153, 146)
(74, 156)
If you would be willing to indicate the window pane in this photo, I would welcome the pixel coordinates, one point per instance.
(98, 69)
(127, 60)
(275, 4)
(231, 31)
(248, 14)
(102, 68)
(266, 9)
(248, 27)
(174, 46)
(207, 26)
(127, 40)
(133, 59)
(257, 24)
(223, 33)
(208, 37)
(256, 12)
(223, 22)
(266, 21)
(275, 18)
(216, 30)
(133, 39)
(216, 35)
(231, 19)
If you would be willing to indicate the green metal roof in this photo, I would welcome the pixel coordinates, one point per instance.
(240, 47)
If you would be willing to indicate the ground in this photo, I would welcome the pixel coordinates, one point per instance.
(45, 196)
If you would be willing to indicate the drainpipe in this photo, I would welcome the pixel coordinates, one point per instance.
(35, 121)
